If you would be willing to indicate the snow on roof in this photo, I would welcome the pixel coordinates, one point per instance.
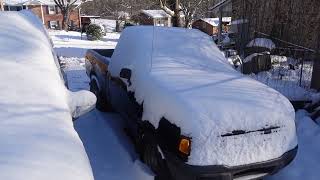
(215, 21)
(37, 137)
(262, 42)
(32, 2)
(195, 88)
(156, 13)
(239, 21)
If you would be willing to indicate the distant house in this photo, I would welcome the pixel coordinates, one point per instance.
(211, 25)
(154, 17)
(46, 10)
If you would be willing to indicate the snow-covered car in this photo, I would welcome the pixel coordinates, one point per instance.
(187, 109)
(37, 137)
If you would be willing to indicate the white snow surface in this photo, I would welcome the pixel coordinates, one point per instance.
(306, 164)
(156, 13)
(195, 88)
(215, 21)
(262, 42)
(37, 137)
(109, 25)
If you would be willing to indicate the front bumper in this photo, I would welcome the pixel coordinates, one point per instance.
(182, 171)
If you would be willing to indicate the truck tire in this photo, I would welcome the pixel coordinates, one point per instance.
(102, 104)
(150, 155)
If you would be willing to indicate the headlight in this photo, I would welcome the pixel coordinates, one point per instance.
(185, 145)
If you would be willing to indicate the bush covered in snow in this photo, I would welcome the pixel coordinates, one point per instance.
(94, 32)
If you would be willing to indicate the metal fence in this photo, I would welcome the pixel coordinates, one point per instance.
(291, 69)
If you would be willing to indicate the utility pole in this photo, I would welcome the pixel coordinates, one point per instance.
(1, 5)
(220, 25)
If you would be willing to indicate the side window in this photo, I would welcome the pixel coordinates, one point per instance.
(53, 25)
(52, 9)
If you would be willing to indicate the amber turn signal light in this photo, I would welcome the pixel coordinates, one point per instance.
(185, 146)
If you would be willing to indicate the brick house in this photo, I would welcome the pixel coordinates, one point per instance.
(211, 25)
(154, 18)
(46, 10)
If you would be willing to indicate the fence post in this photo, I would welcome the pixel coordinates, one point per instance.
(315, 80)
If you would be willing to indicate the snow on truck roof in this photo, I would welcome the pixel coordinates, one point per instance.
(180, 74)
(37, 137)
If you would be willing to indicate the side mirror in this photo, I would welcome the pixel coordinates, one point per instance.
(125, 73)
(81, 102)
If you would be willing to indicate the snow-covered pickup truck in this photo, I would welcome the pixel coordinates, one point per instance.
(37, 137)
(187, 109)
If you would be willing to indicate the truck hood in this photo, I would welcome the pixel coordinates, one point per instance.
(232, 119)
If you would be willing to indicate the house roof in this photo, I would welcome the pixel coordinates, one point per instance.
(33, 2)
(215, 21)
(156, 13)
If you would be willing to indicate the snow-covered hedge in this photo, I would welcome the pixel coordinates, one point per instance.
(94, 32)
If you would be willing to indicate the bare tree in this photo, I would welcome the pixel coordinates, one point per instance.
(120, 10)
(66, 7)
(183, 11)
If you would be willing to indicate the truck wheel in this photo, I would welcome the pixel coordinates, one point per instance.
(102, 104)
(151, 156)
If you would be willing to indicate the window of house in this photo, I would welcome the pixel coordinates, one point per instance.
(159, 22)
(52, 9)
(53, 24)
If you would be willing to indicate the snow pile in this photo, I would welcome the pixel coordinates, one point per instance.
(37, 138)
(156, 13)
(109, 25)
(262, 42)
(195, 88)
(215, 21)
(306, 164)
(286, 80)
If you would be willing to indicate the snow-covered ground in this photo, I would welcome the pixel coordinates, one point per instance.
(70, 44)
(110, 151)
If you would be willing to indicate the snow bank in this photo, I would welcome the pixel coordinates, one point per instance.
(262, 42)
(37, 138)
(306, 164)
(195, 88)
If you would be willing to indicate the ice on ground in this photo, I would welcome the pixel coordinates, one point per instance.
(306, 164)
(195, 88)
(110, 151)
(37, 137)
(262, 42)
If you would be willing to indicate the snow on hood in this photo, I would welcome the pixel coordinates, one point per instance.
(37, 138)
(181, 75)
